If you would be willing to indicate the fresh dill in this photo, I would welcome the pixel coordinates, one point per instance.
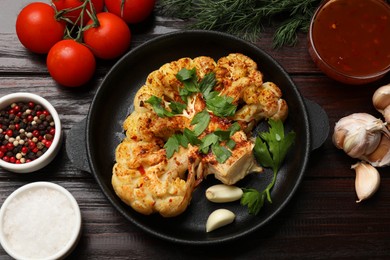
(245, 18)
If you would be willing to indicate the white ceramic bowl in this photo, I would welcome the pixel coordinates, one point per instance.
(50, 154)
(40, 220)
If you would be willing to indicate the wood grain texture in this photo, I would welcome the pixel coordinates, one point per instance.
(322, 221)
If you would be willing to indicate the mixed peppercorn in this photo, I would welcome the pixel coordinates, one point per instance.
(26, 132)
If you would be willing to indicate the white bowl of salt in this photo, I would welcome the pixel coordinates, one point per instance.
(40, 220)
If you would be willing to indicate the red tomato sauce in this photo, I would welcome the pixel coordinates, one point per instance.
(353, 36)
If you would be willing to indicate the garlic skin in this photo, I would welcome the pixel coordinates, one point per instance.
(358, 134)
(381, 101)
(381, 156)
(367, 180)
(221, 193)
(219, 218)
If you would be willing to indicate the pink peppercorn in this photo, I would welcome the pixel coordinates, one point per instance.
(9, 133)
(10, 146)
(3, 149)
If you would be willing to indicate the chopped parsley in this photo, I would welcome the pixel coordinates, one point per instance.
(219, 105)
(161, 111)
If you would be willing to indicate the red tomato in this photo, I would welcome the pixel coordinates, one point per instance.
(110, 39)
(70, 63)
(37, 28)
(134, 11)
(74, 15)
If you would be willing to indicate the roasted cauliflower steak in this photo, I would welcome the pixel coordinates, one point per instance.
(146, 178)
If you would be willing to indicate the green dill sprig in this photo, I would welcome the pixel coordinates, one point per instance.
(245, 18)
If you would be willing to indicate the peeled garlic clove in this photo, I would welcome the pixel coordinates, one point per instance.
(381, 101)
(221, 193)
(367, 180)
(219, 218)
(358, 134)
(381, 156)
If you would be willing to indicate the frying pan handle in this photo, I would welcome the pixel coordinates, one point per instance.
(319, 124)
(76, 147)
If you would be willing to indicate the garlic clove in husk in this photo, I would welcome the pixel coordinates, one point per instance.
(358, 134)
(381, 156)
(367, 180)
(381, 101)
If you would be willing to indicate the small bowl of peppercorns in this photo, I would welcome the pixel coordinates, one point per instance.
(30, 132)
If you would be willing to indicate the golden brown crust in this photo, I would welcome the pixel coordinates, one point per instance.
(144, 178)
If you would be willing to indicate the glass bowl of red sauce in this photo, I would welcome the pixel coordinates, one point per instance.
(349, 40)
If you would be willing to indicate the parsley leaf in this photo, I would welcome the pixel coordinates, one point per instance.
(177, 107)
(225, 135)
(270, 150)
(186, 75)
(277, 142)
(172, 145)
(221, 106)
(253, 199)
(161, 111)
(207, 142)
(157, 104)
(190, 82)
(191, 137)
(213, 141)
(221, 153)
(207, 84)
(231, 144)
(201, 120)
(174, 142)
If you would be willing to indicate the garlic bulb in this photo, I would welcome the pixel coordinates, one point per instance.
(367, 180)
(381, 156)
(221, 193)
(381, 101)
(219, 218)
(358, 134)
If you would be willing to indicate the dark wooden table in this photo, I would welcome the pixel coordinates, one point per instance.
(322, 220)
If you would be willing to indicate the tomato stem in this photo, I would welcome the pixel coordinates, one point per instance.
(122, 7)
(76, 29)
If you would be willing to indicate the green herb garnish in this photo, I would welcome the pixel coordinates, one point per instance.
(161, 111)
(190, 82)
(173, 144)
(245, 18)
(270, 150)
(201, 120)
(177, 107)
(207, 84)
(208, 141)
(157, 104)
(219, 105)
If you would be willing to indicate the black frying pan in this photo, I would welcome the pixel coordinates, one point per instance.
(91, 143)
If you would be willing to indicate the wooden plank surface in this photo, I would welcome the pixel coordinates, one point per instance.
(322, 221)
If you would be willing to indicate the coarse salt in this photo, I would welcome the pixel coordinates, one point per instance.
(39, 222)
